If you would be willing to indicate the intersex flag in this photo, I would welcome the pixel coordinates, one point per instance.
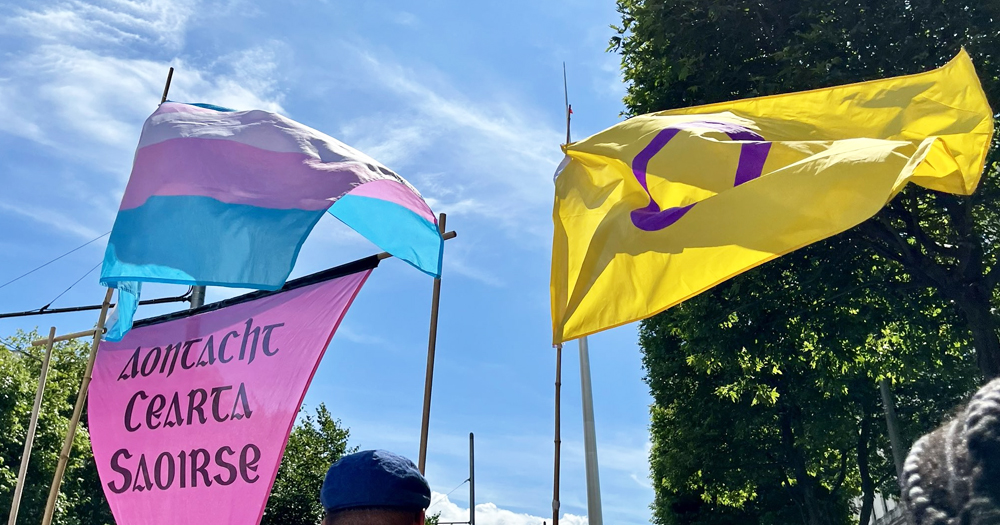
(190, 413)
(664, 206)
(226, 198)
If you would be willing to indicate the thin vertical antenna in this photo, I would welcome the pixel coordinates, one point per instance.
(569, 109)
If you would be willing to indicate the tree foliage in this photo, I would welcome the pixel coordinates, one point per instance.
(766, 407)
(315, 443)
(81, 500)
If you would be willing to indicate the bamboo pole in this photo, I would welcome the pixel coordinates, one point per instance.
(81, 398)
(558, 440)
(429, 376)
(65, 337)
(29, 440)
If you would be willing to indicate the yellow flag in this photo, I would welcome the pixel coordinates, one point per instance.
(664, 206)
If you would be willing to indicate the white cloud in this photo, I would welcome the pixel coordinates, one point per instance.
(52, 219)
(64, 89)
(347, 332)
(405, 18)
(490, 514)
(644, 482)
(458, 264)
(496, 155)
(123, 22)
(78, 83)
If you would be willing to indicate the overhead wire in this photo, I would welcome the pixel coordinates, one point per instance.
(440, 497)
(46, 307)
(18, 278)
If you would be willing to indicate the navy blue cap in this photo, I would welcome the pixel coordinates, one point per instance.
(374, 478)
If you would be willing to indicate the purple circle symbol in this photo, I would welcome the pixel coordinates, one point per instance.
(753, 153)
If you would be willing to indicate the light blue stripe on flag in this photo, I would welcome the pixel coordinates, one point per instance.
(202, 241)
(393, 228)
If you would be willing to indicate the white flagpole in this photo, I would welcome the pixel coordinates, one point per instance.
(594, 513)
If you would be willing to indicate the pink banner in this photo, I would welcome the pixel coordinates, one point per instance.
(189, 418)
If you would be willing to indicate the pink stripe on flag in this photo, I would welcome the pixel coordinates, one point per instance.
(236, 173)
(396, 193)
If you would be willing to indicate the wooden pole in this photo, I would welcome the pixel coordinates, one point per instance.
(65, 337)
(30, 438)
(429, 377)
(558, 441)
(81, 398)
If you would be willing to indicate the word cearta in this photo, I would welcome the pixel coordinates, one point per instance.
(186, 469)
(193, 407)
(164, 360)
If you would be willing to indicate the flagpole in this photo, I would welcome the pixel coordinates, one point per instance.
(30, 438)
(429, 376)
(197, 297)
(81, 398)
(558, 441)
(594, 512)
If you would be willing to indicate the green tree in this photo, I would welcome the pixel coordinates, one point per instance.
(81, 500)
(315, 443)
(765, 405)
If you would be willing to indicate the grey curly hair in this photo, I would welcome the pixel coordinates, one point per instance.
(952, 475)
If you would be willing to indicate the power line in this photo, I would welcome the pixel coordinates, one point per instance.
(46, 307)
(53, 260)
(449, 494)
(10, 346)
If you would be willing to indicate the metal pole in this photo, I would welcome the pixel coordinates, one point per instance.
(429, 377)
(558, 441)
(594, 513)
(81, 398)
(30, 438)
(197, 296)
(898, 454)
(472, 479)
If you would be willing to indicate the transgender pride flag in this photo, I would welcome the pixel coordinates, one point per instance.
(226, 198)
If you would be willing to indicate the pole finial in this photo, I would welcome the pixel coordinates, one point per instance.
(166, 87)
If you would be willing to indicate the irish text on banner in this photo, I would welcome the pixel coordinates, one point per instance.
(226, 198)
(661, 207)
(189, 417)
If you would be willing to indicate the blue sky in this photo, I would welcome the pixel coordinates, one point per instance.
(464, 99)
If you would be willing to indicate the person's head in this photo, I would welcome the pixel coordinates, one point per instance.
(952, 475)
(374, 487)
